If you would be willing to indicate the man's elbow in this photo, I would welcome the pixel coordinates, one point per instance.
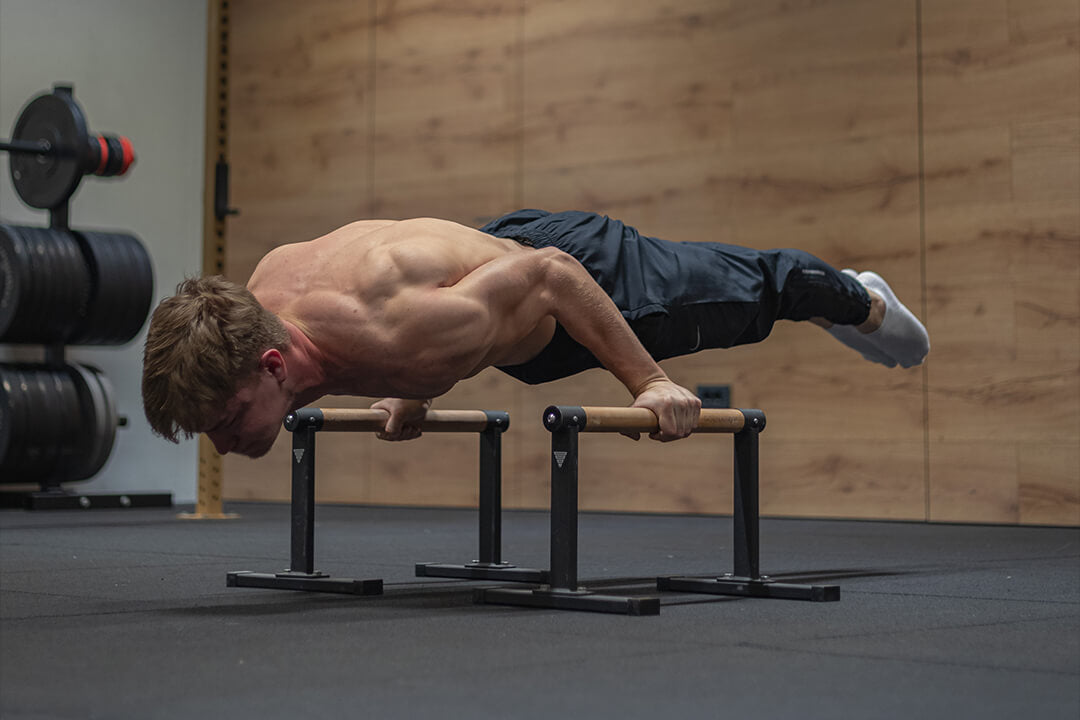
(560, 269)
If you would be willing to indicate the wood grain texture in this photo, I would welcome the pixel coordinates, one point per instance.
(842, 480)
(468, 199)
(1049, 494)
(443, 469)
(781, 123)
(974, 481)
(447, 78)
(617, 473)
(300, 95)
(615, 80)
(1002, 188)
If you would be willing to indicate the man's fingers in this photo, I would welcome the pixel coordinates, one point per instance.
(406, 433)
(676, 408)
(665, 437)
(675, 425)
(670, 427)
(397, 430)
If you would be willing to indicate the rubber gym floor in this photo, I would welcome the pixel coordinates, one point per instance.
(125, 614)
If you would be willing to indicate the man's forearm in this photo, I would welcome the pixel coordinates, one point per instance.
(592, 319)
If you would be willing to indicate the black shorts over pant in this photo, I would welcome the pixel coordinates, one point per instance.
(680, 297)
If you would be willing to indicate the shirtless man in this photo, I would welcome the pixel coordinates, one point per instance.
(405, 309)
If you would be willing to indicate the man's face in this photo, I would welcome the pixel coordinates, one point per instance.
(251, 419)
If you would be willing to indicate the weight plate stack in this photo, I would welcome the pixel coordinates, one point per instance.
(12, 420)
(15, 276)
(122, 287)
(61, 404)
(46, 285)
(60, 423)
(43, 435)
(98, 418)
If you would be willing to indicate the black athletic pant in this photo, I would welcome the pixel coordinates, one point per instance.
(680, 297)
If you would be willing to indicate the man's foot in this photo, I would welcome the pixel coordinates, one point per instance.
(901, 336)
(858, 341)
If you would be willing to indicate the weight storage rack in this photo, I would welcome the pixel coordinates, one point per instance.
(60, 287)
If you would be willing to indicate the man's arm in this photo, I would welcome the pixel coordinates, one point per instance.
(524, 287)
(591, 317)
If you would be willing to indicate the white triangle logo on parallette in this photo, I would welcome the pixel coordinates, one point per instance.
(299, 454)
(560, 457)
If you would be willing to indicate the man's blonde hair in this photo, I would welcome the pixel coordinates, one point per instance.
(203, 344)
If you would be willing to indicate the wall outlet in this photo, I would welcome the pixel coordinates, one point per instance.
(714, 396)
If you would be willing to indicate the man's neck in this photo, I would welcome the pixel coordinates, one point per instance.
(307, 368)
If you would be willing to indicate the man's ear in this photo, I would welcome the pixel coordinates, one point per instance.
(273, 362)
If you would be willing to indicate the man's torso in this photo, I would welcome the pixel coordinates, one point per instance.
(368, 296)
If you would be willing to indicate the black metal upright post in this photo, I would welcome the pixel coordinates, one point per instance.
(745, 506)
(490, 501)
(564, 508)
(303, 503)
(301, 575)
(489, 565)
(562, 591)
(747, 581)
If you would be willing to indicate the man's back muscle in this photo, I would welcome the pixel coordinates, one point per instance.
(366, 296)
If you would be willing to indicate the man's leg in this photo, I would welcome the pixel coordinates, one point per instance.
(684, 297)
(737, 294)
(860, 310)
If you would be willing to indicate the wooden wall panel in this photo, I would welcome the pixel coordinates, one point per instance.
(843, 479)
(1002, 156)
(1049, 493)
(768, 124)
(613, 80)
(447, 115)
(807, 73)
(812, 144)
(300, 94)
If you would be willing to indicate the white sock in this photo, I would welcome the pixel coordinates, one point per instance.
(858, 341)
(901, 336)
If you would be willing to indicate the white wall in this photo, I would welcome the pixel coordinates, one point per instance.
(138, 68)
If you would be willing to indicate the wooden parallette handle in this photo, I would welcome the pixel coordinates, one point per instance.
(371, 420)
(631, 419)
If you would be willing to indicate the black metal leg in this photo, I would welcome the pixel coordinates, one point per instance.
(563, 592)
(746, 504)
(303, 503)
(301, 574)
(299, 581)
(489, 565)
(490, 496)
(564, 509)
(747, 581)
